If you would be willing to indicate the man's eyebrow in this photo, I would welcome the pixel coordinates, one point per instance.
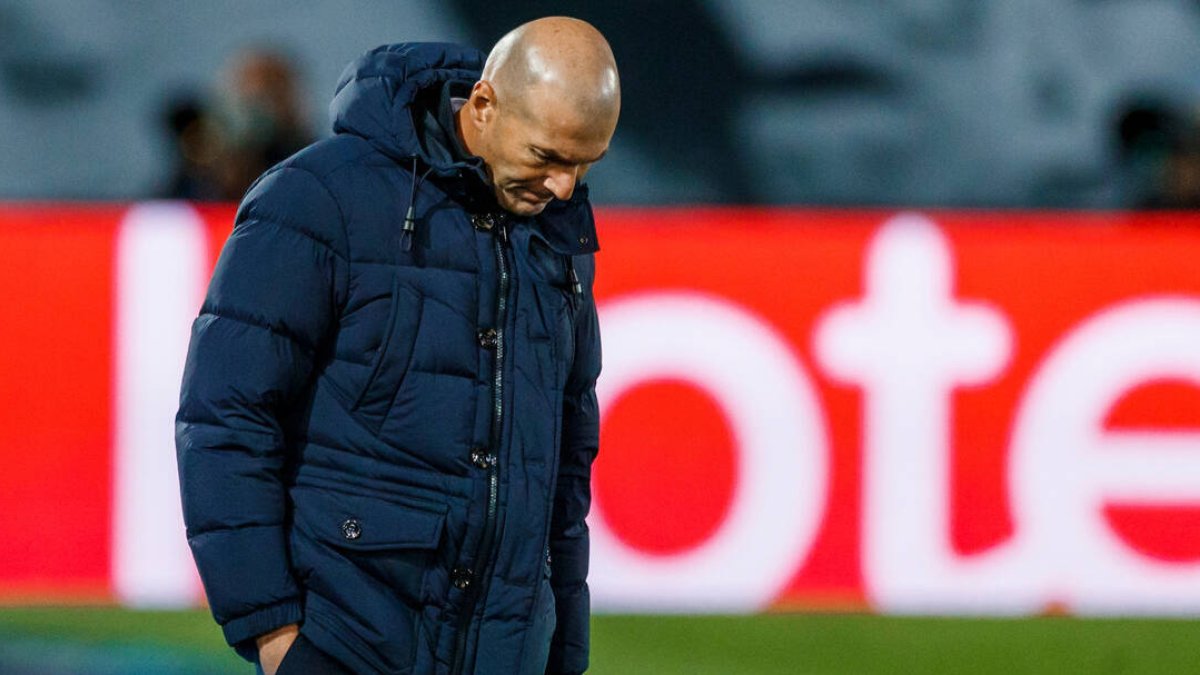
(553, 156)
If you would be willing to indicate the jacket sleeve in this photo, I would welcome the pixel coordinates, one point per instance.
(272, 299)
(569, 530)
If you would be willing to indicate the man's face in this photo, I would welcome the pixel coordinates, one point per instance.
(539, 148)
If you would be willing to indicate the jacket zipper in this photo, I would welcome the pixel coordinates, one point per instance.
(484, 554)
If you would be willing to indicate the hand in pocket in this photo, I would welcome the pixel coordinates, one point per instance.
(273, 646)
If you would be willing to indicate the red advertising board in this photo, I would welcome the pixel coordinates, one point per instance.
(978, 412)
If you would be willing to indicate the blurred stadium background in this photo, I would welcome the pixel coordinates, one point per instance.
(900, 300)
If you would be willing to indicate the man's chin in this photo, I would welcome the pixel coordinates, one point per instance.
(522, 207)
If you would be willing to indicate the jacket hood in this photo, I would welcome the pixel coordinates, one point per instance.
(376, 92)
(377, 99)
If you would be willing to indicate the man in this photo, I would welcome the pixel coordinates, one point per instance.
(388, 413)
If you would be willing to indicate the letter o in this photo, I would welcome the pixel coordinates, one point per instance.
(781, 449)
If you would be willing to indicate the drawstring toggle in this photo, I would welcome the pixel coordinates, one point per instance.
(406, 232)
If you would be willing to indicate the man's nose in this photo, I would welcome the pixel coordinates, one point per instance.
(562, 182)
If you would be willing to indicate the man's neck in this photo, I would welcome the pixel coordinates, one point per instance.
(464, 131)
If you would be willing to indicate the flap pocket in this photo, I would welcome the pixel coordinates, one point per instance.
(367, 523)
(394, 355)
(554, 290)
(550, 266)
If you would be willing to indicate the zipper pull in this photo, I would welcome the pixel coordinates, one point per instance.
(576, 286)
(502, 228)
(406, 232)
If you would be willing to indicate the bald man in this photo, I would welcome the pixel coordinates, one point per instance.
(388, 415)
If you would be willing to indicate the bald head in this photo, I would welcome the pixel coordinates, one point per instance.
(560, 58)
(543, 112)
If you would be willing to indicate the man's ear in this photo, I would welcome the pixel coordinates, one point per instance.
(482, 103)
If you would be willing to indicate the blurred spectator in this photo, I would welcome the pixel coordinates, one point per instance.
(1159, 151)
(1181, 173)
(260, 115)
(195, 149)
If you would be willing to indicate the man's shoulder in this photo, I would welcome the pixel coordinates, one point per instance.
(336, 154)
(309, 191)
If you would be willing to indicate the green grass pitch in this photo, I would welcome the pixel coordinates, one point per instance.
(85, 641)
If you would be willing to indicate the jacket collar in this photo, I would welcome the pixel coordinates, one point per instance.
(569, 227)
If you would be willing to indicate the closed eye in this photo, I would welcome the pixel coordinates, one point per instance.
(540, 159)
(543, 157)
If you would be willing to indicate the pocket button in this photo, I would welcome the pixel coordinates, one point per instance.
(461, 578)
(482, 459)
(488, 338)
(351, 529)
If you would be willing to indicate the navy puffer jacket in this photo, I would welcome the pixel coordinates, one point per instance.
(386, 428)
